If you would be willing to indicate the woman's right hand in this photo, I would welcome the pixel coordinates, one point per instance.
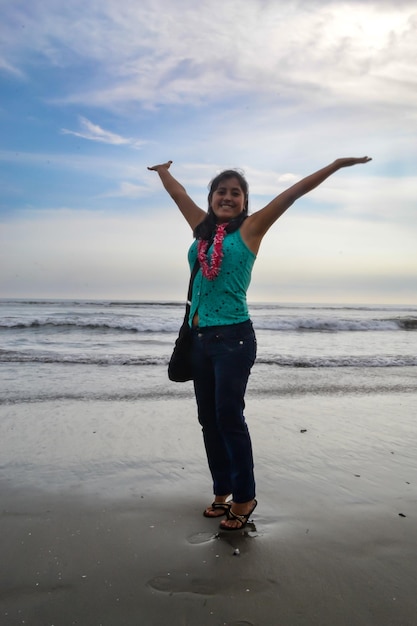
(192, 213)
(164, 166)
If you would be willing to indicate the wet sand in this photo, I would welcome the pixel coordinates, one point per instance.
(101, 516)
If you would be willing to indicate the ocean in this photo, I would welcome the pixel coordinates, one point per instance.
(104, 477)
(107, 350)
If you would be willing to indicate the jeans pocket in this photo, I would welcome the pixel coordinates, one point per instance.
(243, 346)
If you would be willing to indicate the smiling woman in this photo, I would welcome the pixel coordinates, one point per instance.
(227, 200)
(223, 348)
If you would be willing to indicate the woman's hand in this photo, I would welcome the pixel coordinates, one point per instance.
(348, 161)
(192, 213)
(164, 166)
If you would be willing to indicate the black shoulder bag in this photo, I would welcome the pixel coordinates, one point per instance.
(179, 366)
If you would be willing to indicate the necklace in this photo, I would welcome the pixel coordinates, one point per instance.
(212, 269)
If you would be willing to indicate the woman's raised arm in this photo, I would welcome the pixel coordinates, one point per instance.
(257, 224)
(192, 213)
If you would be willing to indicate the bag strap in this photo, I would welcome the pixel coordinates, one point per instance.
(193, 275)
(190, 288)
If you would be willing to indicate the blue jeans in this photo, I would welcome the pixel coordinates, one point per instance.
(222, 361)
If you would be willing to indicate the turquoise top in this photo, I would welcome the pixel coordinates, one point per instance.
(223, 300)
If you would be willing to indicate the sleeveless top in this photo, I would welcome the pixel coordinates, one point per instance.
(222, 301)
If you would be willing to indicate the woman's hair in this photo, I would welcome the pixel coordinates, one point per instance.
(206, 228)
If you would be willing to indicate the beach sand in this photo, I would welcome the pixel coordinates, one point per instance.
(101, 515)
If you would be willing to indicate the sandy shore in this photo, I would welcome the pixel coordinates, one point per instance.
(101, 518)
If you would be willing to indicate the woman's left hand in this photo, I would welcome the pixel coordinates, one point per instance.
(348, 161)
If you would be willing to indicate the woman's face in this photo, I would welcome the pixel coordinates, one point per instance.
(228, 200)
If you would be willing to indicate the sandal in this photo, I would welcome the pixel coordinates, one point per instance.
(242, 519)
(218, 506)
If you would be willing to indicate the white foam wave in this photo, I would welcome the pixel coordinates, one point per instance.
(170, 324)
(10, 356)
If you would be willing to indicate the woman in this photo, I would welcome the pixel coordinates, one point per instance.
(224, 346)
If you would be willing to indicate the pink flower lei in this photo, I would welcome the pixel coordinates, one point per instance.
(211, 271)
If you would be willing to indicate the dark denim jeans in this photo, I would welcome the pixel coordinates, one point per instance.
(222, 361)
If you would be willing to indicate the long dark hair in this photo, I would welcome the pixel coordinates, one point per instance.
(206, 228)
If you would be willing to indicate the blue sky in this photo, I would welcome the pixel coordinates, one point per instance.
(93, 92)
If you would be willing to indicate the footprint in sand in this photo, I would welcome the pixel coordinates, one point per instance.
(178, 582)
(201, 538)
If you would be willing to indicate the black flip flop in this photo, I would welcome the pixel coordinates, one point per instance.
(217, 506)
(243, 519)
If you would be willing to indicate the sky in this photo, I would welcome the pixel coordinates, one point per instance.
(94, 92)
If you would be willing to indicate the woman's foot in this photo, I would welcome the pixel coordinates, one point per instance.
(238, 515)
(219, 507)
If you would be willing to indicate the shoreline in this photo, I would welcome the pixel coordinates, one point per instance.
(101, 516)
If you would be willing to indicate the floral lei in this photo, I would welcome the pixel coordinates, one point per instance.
(211, 271)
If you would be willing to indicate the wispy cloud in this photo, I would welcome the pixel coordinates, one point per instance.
(7, 67)
(130, 190)
(94, 132)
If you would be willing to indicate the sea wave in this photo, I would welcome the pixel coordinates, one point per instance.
(166, 325)
(15, 356)
(115, 325)
(325, 324)
(353, 361)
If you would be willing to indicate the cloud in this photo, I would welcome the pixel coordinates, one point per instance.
(98, 165)
(11, 69)
(93, 132)
(316, 256)
(115, 255)
(293, 53)
(130, 190)
(333, 257)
